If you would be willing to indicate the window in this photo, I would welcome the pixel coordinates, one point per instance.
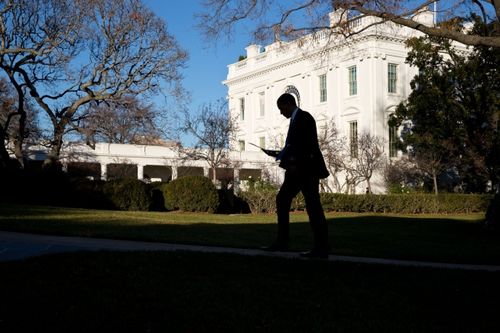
(353, 84)
(392, 76)
(353, 138)
(322, 88)
(262, 104)
(241, 143)
(262, 142)
(393, 140)
(242, 108)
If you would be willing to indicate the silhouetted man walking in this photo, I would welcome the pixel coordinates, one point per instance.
(305, 166)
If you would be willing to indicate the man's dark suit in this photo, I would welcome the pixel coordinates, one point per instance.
(305, 166)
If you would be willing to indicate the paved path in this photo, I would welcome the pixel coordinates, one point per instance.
(15, 246)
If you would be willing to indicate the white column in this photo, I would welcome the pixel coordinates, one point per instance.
(236, 180)
(206, 172)
(174, 172)
(104, 171)
(140, 171)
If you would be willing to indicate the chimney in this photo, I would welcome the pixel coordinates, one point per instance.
(252, 50)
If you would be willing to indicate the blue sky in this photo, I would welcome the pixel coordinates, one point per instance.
(207, 64)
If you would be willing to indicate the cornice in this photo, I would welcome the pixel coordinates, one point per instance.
(286, 63)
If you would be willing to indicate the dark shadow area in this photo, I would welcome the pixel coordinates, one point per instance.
(194, 292)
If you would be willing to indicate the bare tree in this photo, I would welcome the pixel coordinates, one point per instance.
(68, 53)
(127, 120)
(274, 20)
(402, 174)
(370, 158)
(15, 126)
(212, 129)
(432, 164)
(332, 146)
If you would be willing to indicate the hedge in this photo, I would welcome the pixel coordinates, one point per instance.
(191, 194)
(264, 201)
(128, 194)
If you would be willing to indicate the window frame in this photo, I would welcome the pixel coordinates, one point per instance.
(353, 80)
(392, 78)
(323, 88)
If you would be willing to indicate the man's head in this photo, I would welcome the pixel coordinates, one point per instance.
(286, 104)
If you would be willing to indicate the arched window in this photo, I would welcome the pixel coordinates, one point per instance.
(293, 91)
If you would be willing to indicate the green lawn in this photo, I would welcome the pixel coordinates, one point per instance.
(444, 238)
(195, 292)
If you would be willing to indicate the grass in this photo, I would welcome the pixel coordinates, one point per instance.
(449, 238)
(195, 292)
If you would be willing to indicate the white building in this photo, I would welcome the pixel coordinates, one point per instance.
(356, 82)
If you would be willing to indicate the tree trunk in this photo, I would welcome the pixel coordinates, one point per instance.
(18, 142)
(55, 149)
(368, 186)
(4, 154)
(18, 151)
(434, 179)
(214, 174)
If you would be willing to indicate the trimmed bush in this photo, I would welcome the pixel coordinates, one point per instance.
(128, 194)
(191, 194)
(89, 194)
(260, 197)
(417, 203)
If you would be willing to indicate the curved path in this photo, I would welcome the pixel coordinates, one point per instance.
(15, 246)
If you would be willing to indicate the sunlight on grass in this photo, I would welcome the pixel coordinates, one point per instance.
(448, 238)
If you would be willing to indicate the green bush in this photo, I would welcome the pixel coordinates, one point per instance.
(89, 194)
(413, 203)
(260, 196)
(128, 194)
(191, 194)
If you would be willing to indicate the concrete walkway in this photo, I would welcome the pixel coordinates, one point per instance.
(15, 246)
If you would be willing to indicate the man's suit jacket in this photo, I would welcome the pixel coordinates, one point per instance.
(301, 151)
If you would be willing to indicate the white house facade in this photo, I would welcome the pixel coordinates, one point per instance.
(357, 83)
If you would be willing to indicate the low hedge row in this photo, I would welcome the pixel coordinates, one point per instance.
(196, 193)
(264, 201)
(417, 203)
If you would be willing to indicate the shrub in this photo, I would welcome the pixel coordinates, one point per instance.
(128, 194)
(405, 203)
(260, 197)
(191, 194)
(89, 194)
(416, 203)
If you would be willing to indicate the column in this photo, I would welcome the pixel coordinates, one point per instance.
(140, 171)
(174, 172)
(236, 180)
(104, 171)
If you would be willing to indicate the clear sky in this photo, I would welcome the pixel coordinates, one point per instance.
(207, 64)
